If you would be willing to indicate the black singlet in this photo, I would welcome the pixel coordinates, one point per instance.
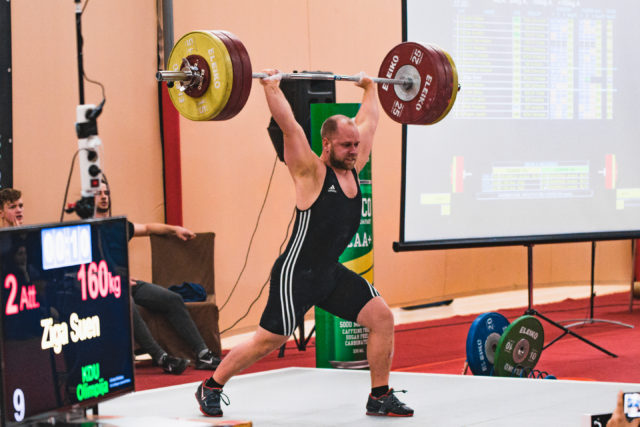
(325, 229)
(308, 272)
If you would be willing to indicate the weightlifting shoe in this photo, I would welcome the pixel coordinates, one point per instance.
(207, 361)
(173, 365)
(388, 405)
(209, 400)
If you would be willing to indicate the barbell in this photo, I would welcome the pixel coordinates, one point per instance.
(417, 83)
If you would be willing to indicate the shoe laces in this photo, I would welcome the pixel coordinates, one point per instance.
(217, 394)
(224, 398)
(392, 399)
(207, 357)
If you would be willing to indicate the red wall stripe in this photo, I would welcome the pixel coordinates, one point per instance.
(172, 168)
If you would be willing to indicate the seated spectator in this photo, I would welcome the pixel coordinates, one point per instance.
(157, 298)
(11, 207)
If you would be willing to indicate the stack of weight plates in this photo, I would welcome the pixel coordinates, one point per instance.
(495, 347)
(226, 85)
(434, 88)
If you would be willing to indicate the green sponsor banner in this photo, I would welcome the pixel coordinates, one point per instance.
(341, 343)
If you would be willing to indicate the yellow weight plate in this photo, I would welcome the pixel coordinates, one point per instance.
(454, 91)
(213, 101)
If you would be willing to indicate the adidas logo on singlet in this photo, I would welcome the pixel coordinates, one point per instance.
(332, 189)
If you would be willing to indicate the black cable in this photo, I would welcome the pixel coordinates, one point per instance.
(246, 258)
(267, 281)
(66, 190)
(84, 7)
(104, 97)
(84, 75)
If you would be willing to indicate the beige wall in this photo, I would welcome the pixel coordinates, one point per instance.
(226, 165)
(120, 53)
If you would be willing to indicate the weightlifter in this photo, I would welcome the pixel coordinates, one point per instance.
(328, 206)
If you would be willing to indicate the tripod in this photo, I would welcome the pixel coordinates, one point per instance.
(531, 311)
(591, 320)
(301, 343)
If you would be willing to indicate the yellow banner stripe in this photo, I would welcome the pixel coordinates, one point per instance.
(362, 265)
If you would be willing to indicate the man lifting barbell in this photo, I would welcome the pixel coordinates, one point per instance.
(328, 205)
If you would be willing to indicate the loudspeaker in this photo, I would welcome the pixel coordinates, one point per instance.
(301, 94)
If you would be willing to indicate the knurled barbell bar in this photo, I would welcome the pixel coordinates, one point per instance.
(192, 76)
(417, 83)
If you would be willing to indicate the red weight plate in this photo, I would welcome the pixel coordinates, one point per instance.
(201, 63)
(234, 86)
(452, 81)
(441, 101)
(229, 110)
(414, 110)
(448, 84)
(247, 73)
(455, 86)
(452, 84)
(446, 87)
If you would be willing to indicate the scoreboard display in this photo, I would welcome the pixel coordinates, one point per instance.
(65, 326)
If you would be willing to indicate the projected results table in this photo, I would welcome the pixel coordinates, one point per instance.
(536, 181)
(553, 63)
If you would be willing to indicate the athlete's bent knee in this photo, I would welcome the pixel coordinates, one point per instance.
(377, 316)
(266, 342)
(384, 321)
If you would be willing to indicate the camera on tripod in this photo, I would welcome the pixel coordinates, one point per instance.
(84, 207)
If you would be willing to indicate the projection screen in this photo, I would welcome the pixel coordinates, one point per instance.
(542, 144)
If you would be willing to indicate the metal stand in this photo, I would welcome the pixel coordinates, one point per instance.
(531, 311)
(591, 320)
(301, 343)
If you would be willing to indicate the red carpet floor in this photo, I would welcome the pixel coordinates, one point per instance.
(438, 346)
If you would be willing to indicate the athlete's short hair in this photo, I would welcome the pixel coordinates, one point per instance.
(330, 125)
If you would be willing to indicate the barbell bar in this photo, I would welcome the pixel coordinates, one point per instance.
(189, 75)
(418, 83)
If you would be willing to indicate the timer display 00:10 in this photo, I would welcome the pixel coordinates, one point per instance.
(66, 246)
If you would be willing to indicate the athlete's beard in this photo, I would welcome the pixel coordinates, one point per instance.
(338, 164)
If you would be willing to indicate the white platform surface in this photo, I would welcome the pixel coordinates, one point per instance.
(328, 397)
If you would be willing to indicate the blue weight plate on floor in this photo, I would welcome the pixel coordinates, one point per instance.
(482, 341)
